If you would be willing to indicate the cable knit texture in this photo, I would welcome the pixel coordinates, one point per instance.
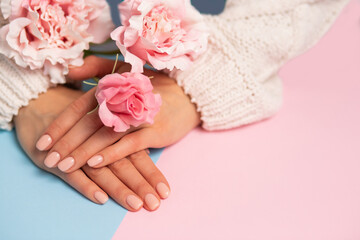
(235, 82)
(17, 87)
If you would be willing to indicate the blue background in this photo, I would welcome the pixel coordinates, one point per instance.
(37, 205)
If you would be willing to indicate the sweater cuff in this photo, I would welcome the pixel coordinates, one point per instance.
(222, 86)
(17, 87)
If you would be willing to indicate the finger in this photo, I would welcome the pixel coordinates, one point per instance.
(82, 130)
(129, 144)
(80, 182)
(146, 167)
(93, 67)
(102, 138)
(129, 175)
(118, 191)
(66, 120)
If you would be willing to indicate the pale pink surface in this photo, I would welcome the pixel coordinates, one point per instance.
(296, 176)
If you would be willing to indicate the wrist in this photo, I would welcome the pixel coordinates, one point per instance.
(46, 105)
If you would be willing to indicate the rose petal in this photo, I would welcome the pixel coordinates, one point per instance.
(111, 120)
(122, 96)
(101, 26)
(136, 107)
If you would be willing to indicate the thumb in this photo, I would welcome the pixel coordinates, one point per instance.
(93, 67)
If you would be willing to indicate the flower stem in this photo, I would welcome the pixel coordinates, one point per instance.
(90, 83)
(114, 68)
(93, 109)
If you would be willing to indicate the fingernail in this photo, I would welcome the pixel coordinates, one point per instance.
(163, 190)
(101, 197)
(52, 159)
(95, 160)
(151, 201)
(66, 164)
(43, 142)
(134, 202)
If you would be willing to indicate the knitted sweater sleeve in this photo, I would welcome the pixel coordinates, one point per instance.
(17, 86)
(235, 81)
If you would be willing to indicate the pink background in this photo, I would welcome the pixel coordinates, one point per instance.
(295, 176)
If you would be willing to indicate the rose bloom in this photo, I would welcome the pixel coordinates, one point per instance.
(126, 99)
(52, 34)
(167, 34)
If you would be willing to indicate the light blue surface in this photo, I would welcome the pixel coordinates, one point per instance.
(37, 205)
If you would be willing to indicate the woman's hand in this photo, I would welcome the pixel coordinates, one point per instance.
(133, 181)
(76, 138)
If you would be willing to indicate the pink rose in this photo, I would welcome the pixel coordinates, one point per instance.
(52, 34)
(126, 99)
(167, 34)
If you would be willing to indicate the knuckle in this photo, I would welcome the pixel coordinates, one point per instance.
(154, 174)
(120, 165)
(96, 172)
(81, 153)
(121, 191)
(112, 155)
(55, 129)
(63, 147)
(132, 142)
(141, 187)
(85, 188)
(78, 106)
(138, 156)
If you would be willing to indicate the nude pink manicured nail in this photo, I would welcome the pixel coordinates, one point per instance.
(151, 201)
(134, 202)
(66, 164)
(101, 197)
(95, 160)
(43, 142)
(163, 190)
(52, 159)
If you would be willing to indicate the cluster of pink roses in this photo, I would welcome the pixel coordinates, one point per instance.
(166, 34)
(52, 34)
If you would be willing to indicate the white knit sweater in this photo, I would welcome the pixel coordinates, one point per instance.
(235, 82)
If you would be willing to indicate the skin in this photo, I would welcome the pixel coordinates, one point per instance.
(133, 175)
(80, 136)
